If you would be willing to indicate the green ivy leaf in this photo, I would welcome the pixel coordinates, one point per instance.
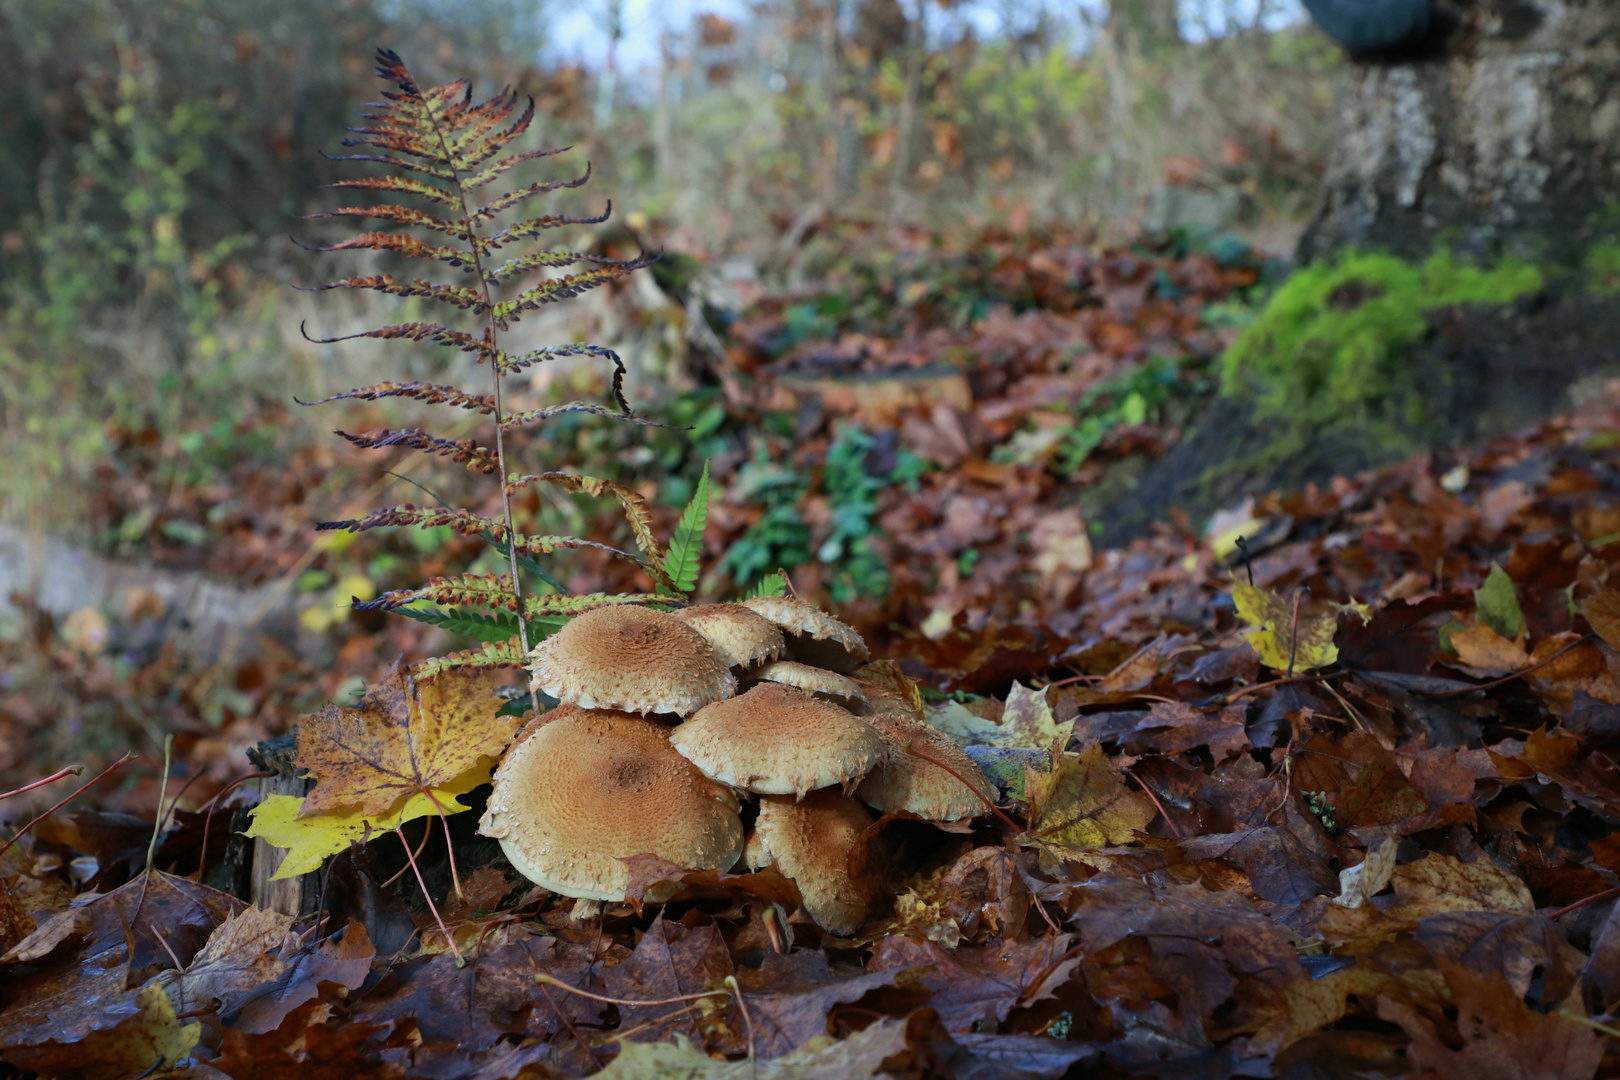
(685, 554)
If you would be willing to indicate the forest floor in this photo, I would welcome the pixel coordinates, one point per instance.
(1337, 801)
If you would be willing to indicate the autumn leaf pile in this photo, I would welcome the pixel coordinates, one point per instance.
(1350, 809)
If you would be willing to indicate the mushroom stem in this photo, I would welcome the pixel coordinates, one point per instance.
(450, 848)
(911, 748)
(448, 940)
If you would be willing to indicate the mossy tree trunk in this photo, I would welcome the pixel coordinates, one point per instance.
(1504, 141)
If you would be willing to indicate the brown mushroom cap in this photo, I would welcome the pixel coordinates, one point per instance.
(887, 690)
(775, 740)
(632, 658)
(905, 781)
(741, 636)
(814, 637)
(811, 841)
(812, 680)
(584, 791)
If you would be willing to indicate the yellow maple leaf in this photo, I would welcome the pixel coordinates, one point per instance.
(310, 838)
(1082, 806)
(1283, 642)
(404, 737)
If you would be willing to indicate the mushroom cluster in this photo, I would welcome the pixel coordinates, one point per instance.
(772, 699)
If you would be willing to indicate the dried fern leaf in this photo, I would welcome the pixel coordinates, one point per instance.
(462, 451)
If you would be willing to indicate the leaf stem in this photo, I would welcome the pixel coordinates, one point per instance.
(128, 757)
(455, 878)
(448, 940)
(71, 770)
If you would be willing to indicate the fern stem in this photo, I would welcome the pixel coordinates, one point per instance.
(495, 372)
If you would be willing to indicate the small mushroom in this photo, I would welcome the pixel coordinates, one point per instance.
(585, 790)
(775, 740)
(813, 636)
(741, 636)
(812, 680)
(811, 842)
(632, 658)
(910, 782)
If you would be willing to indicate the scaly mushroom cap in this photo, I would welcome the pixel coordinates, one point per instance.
(631, 658)
(811, 680)
(811, 841)
(588, 789)
(905, 781)
(814, 637)
(741, 636)
(775, 740)
(887, 690)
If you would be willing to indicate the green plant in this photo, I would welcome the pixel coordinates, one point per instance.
(444, 150)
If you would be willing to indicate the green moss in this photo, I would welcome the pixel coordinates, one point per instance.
(1328, 349)
(1602, 266)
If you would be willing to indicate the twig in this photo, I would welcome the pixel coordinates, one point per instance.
(448, 940)
(911, 748)
(1604, 895)
(542, 979)
(202, 860)
(1517, 674)
(455, 878)
(157, 826)
(128, 757)
(1236, 695)
(71, 770)
(748, 1022)
(177, 964)
(1613, 1032)
(1242, 544)
(1168, 820)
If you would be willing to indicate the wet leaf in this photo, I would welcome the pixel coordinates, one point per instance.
(150, 1037)
(1437, 883)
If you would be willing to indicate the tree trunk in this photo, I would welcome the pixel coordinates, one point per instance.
(1145, 26)
(1502, 143)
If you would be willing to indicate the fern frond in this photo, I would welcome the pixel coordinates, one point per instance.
(393, 162)
(400, 244)
(454, 295)
(403, 185)
(774, 583)
(402, 215)
(506, 164)
(502, 654)
(436, 333)
(427, 393)
(506, 365)
(547, 545)
(473, 624)
(686, 546)
(536, 416)
(492, 591)
(464, 522)
(635, 507)
(552, 290)
(528, 230)
(496, 207)
(462, 451)
(525, 264)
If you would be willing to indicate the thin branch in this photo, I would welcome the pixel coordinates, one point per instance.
(128, 757)
(71, 770)
(448, 939)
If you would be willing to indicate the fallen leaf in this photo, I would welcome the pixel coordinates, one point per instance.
(403, 738)
(137, 1044)
(789, 997)
(1083, 805)
(280, 820)
(1495, 1036)
(671, 960)
(975, 987)
(1281, 641)
(344, 960)
(1027, 721)
(1484, 651)
(1368, 877)
(1437, 883)
(1496, 605)
(236, 957)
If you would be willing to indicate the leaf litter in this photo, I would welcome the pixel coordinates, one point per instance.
(1255, 829)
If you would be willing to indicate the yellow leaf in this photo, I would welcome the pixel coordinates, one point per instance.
(1279, 641)
(1437, 883)
(403, 737)
(310, 839)
(1488, 652)
(1084, 805)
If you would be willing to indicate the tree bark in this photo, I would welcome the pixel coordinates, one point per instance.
(1505, 142)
